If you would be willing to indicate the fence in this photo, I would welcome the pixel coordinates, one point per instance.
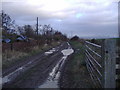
(101, 62)
(118, 64)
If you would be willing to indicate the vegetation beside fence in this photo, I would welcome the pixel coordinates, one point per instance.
(94, 62)
(75, 74)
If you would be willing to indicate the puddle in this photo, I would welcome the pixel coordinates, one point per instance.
(50, 51)
(5, 80)
(47, 53)
(68, 44)
(52, 80)
(15, 73)
(67, 52)
(12, 75)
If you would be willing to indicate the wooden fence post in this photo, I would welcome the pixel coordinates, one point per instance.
(109, 63)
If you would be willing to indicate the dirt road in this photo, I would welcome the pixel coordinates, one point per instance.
(39, 71)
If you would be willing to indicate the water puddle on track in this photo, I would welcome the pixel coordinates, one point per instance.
(14, 74)
(50, 51)
(52, 80)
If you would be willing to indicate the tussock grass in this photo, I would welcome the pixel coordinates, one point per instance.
(10, 57)
(77, 67)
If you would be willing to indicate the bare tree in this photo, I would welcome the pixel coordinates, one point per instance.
(7, 23)
(29, 32)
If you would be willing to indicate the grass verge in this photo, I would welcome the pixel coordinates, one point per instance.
(75, 74)
(10, 58)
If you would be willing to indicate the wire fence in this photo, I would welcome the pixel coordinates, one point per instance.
(93, 60)
(118, 64)
(103, 63)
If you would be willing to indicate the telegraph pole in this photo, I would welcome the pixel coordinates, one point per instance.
(37, 31)
(37, 27)
(119, 18)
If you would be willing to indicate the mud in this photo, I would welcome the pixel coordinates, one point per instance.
(34, 71)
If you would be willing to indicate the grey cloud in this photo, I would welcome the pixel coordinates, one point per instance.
(96, 19)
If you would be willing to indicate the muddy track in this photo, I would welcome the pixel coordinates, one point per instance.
(23, 62)
(37, 70)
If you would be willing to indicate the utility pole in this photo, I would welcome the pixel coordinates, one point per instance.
(37, 31)
(37, 27)
(119, 18)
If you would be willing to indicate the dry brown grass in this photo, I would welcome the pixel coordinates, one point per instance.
(10, 57)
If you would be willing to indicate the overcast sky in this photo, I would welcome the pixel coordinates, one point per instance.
(85, 18)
